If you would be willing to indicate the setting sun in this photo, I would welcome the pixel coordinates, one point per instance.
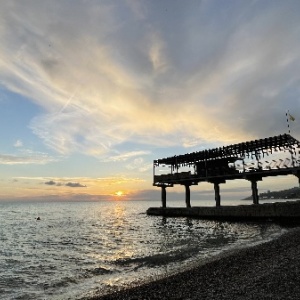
(119, 193)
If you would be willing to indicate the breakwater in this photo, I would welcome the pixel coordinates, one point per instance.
(284, 211)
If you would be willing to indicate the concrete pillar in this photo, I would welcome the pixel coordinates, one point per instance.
(187, 195)
(163, 196)
(217, 194)
(254, 191)
(297, 174)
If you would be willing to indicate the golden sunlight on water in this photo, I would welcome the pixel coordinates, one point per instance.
(116, 244)
(123, 241)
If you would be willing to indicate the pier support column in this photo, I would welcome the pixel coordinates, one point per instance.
(254, 191)
(254, 180)
(217, 191)
(217, 194)
(187, 195)
(163, 196)
(297, 174)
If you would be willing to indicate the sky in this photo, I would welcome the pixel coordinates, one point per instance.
(91, 92)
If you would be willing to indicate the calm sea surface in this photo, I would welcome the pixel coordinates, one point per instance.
(78, 250)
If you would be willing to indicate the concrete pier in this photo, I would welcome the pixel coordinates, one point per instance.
(281, 211)
(251, 160)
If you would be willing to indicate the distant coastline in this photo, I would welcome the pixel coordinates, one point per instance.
(293, 193)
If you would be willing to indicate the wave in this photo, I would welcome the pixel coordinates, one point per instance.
(99, 271)
(159, 259)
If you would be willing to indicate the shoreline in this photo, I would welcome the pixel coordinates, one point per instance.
(270, 270)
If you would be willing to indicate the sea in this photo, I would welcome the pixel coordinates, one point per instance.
(78, 250)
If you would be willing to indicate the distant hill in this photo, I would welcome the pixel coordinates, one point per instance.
(293, 193)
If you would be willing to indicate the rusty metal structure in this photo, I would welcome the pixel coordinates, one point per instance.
(251, 160)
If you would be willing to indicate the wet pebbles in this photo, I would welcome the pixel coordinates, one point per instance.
(267, 271)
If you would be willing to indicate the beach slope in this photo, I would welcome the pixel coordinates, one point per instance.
(267, 271)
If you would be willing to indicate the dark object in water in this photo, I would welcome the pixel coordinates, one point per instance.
(38, 218)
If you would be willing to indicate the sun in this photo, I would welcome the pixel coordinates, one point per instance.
(119, 193)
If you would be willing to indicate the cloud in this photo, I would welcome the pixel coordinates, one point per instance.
(157, 53)
(51, 182)
(38, 158)
(75, 184)
(148, 73)
(18, 144)
(125, 156)
(69, 184)
(140, 165)
(103, 181)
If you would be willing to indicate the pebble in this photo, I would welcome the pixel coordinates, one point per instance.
(269, 271)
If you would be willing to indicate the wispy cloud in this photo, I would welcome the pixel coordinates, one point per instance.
(157, 53)
(33, 158)
(151, 73)
(125, 156)
(64, 180)
(140, 165)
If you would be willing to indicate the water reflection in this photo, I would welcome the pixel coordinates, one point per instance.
(95, 245)
(187, 237)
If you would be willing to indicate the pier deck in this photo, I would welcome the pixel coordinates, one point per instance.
(252, 161)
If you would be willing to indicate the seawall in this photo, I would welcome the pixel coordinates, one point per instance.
(285, 211)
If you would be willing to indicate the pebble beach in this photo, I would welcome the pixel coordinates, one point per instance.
(266, 271)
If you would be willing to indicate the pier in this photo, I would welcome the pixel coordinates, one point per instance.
(251, 161)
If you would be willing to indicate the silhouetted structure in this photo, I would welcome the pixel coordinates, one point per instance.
(252, 160)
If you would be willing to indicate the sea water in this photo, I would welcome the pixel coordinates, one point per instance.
(82, 249)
